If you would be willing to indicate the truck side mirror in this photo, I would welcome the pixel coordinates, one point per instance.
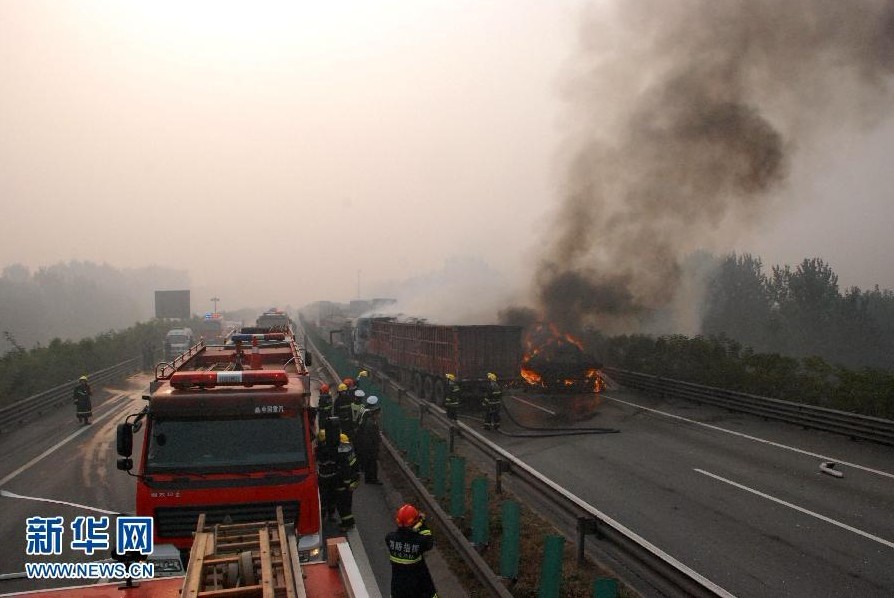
(308, 358)
(125, 464)
(124, 440)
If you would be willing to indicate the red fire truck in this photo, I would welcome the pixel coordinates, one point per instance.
(226, 434)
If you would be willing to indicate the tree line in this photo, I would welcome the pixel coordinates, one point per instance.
(25, 372)
(789, 334)
(75, 300)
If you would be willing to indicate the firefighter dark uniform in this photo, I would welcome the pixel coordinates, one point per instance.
(410, 577)
(324, 406)
(327, 474)
(348, 478)
(493, 402)
(357, 405)
(369, 439)
(343, 410)
(83, 404)
(451, 400)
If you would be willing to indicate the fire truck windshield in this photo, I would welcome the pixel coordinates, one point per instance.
(221, 445)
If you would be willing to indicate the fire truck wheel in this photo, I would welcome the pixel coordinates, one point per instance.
(247, 567)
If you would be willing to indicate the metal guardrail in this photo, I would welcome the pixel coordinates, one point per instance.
(854, 425)
(669, 574)
(25, 409)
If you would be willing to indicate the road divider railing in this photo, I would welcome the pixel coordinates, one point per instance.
(854, 425)
(26, 409)
(427, 458)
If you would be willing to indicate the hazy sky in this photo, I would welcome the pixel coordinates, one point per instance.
(273, 149)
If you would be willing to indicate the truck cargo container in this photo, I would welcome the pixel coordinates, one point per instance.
(420, 354)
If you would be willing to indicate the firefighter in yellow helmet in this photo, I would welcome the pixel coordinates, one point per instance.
(327, 474)
(410, 577)
(348, 480)
(82, 400)
(493, 403)
(452, 396)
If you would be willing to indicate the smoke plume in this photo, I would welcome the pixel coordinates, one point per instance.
(684, 117)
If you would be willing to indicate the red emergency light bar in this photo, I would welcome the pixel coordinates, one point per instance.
(269, 336)
(183, 380)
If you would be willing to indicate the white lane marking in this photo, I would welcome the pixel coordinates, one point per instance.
(756, 439)
(532, 404)
(797, 508)
(62, 442)
(8, 494)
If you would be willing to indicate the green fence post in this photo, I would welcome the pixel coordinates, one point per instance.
(440, 469)
(480, 512)
(551, 572)
(457, 486)
(605, 587)
(509, 546)
(425, 455)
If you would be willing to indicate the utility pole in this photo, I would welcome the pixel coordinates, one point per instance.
(215, 300)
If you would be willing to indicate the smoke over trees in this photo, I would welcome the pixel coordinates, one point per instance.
(684, 120)
(76, 300)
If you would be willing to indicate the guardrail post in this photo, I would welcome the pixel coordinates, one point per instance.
(605, 587)
(480, 513)
(440, 469)
(425, 455)
(413, 452)
(423, 409)
(502, 467)
(551, 571)
(457, 486)
(585, 525)
(400, 396)
(509, 545)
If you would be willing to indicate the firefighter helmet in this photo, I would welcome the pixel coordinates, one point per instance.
(324, 388)
(407, 515)
(362, 374)
(321, 435)
(342, 387)
(359, 394)
(83, 378)
(348, 382)
(344, 438)
(372, 402)
(491, 376)
(450, 377)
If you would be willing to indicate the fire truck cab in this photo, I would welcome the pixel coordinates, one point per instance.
(226, 433)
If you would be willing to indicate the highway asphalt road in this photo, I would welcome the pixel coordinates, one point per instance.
(54, 466)
(740, 500)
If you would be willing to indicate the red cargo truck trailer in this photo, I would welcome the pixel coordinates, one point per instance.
(419, 354)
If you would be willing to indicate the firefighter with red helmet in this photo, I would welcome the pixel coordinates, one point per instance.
(343, 409)
(324, 405)
(410, 577)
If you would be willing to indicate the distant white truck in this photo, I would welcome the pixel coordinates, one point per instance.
(177, 341)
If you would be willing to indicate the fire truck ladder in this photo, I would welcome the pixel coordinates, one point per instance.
(257, 559)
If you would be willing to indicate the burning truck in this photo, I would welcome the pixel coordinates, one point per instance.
(537, 361)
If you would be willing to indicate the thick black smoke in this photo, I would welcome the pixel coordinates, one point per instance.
(684, 118)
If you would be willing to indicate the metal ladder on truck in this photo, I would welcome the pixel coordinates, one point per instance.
(244, 559)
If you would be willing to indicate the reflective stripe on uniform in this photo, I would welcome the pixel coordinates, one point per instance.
(400, 561)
